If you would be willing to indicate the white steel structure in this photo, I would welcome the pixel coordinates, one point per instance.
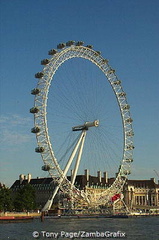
(72, 50)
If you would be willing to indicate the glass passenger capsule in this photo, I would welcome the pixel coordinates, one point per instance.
(79, 43)
(126, 107)
(129, 120)
(89, 46)
(52, 52)
(34, 110)
(45, 167)
(111, 71)
(122, 94)
(128, 160)
(118, 82)
(97, 53)
(35, 130)
(61, 45)
(104, 61)
(130, 134)
(45, 61)
(39, 149)
(69, 43)
(130, 147)
(39, 75)
(35, 91)
(126, 172)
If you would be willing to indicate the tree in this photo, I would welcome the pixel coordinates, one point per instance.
(25, 199)
(6, 203)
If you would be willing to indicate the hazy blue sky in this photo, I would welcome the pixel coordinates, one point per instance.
(126, 32)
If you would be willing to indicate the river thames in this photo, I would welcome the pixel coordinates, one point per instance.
(136, 228)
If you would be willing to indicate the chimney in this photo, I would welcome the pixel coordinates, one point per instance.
(105, 175)
(99, 174)
(153, 179)
(21, 178)
(29, 177)
(87, 175)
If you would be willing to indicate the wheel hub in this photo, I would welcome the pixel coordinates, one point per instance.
(86, 126)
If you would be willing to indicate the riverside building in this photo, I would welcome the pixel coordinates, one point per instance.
(138, 194)
(142, 195)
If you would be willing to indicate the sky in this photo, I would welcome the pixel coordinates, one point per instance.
(126, 32)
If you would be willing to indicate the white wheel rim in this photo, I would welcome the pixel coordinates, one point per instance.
(40, 118)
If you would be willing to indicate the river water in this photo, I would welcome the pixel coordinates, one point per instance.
(137, 228)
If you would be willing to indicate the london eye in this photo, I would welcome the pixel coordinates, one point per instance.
(82, 121)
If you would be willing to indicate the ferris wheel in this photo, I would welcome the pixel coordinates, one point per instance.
(81, 115)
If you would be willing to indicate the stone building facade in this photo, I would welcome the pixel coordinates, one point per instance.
(142, 194)
(138, 194)
(43, 188)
